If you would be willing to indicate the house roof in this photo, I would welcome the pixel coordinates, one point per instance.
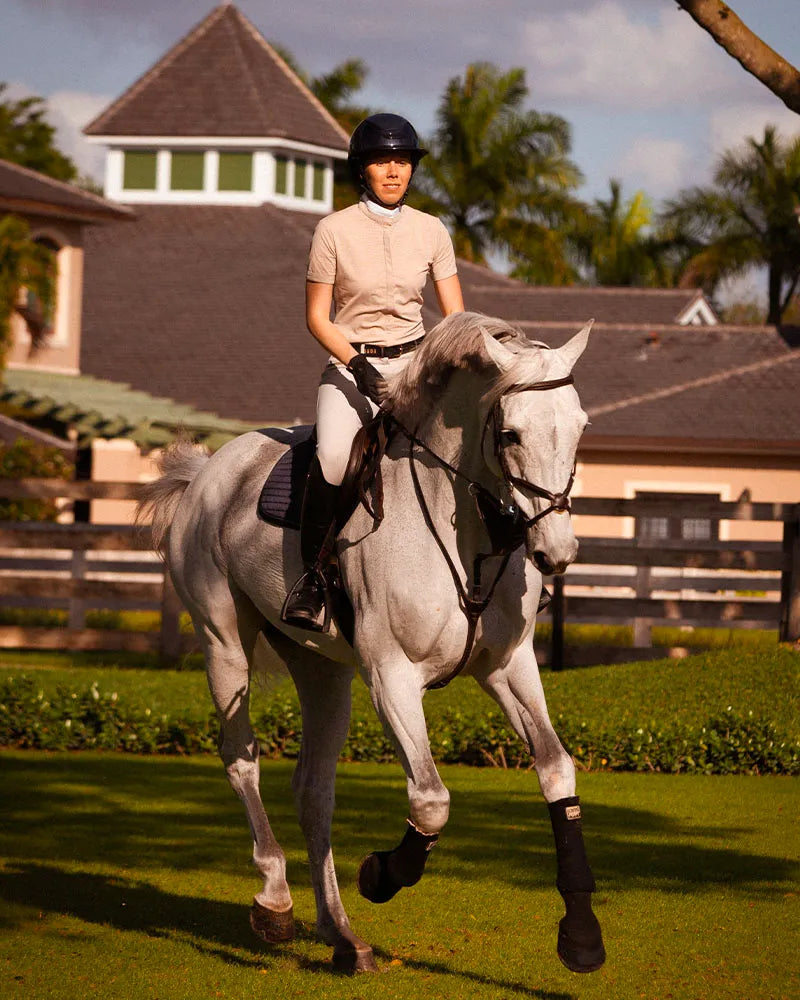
(27, 192)
(705, 387)
(206, 304)
(497, 295)
(100, 408)
(223, 79)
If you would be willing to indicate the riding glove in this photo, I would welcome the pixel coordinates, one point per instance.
(369, 380)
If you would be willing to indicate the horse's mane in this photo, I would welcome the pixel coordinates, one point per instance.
(455, 343)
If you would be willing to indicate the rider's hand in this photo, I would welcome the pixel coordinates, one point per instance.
(369, 380)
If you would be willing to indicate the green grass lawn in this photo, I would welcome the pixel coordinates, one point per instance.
(127, 877)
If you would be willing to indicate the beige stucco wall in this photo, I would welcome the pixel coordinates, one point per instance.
(61, 352)
(119, 461)
(767, 479)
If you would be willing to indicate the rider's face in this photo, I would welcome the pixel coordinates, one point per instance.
(389, 178)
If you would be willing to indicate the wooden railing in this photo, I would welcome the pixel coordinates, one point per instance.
(746, 583)
(736, 584)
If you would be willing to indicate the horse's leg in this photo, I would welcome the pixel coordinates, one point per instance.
(228, 643)
(397, 697)
(518, 689)
(324, 690)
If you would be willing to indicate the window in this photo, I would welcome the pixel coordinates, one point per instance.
(139, 170)
(300, 178)
(281, 175)
(235, 172)
(187, 171)
(318, 188)
(690, 529)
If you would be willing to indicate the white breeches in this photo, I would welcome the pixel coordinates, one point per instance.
(341, 410)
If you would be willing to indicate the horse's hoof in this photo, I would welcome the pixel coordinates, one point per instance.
(272, 926)
(581, 948)
(350, 959)
(374, 882)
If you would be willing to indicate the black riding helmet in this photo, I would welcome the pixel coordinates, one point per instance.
(381, 135)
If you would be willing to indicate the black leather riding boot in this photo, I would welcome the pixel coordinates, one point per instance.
(306, 605)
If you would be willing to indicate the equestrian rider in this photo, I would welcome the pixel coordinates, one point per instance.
(371, 262)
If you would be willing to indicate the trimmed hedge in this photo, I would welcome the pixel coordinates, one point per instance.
(728, 743)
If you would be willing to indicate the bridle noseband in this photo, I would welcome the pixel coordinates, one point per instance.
(559, 502)
(506, 526)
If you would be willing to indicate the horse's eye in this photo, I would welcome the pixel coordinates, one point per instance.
(509, 437)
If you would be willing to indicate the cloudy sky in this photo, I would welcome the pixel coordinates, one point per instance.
(650, 97)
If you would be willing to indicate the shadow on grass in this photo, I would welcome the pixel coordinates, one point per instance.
(213, 928)
(176, 814)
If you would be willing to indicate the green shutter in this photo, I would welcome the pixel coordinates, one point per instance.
(281, 175)
(235, 172)
(187, 171)
(139, 171)
(319, 182)
(299, 178)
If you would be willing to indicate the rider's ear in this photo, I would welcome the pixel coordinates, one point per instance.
(500, 355)
(572, 350)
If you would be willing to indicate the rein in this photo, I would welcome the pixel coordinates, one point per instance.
(506, 526)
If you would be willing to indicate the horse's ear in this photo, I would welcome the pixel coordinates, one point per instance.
(498, 353)
(572, 350)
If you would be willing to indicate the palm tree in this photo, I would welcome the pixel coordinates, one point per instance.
(25, 265)
(617, 245)
(748, 218)
(498, 175)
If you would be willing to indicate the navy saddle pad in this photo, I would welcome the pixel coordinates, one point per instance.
(281, 499)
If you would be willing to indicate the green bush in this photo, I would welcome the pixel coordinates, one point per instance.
(26, 459)
(729, 743)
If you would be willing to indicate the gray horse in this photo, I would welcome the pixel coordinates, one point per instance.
(475, 483)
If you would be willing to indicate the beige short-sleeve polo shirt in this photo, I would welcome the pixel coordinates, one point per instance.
(378, 266)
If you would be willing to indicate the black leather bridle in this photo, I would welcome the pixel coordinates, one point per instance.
(506, 526)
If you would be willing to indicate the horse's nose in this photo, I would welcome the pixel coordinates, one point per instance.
(542, 563)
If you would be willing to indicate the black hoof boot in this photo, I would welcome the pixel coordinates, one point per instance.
(580, 940)
(384, 873)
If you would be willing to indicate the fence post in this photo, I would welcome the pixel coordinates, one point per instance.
(77, 606)
(557, 619)
(170, 639)
(642, 632)
(790, 581)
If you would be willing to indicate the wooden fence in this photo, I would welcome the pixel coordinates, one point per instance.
(616, 580)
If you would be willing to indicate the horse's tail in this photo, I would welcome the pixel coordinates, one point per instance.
(158, 501)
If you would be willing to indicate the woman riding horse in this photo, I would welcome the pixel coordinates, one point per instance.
(371, 262)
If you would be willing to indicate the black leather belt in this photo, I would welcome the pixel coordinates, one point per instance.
(376, 351)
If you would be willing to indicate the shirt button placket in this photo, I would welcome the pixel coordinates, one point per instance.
(387, 261)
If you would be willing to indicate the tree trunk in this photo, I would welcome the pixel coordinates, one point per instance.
(739, 41)
(775, 282)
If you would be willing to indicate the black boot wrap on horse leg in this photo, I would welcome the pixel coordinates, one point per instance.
(580, 940)
(384, 873)
(306, 604)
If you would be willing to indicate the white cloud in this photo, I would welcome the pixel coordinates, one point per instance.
(657, 165)
(68, 111)
(730, 126)
(607, 55)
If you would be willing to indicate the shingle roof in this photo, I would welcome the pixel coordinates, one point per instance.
(26, 191)
(205, 304)
(222, 79)
(498, 295)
